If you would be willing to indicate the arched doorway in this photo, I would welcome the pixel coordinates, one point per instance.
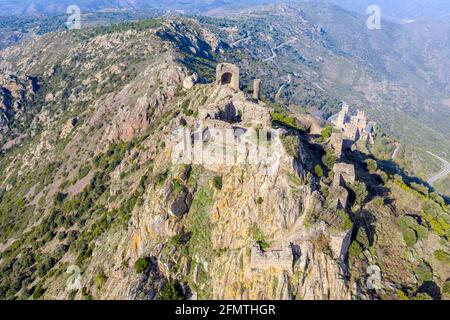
(226, 78)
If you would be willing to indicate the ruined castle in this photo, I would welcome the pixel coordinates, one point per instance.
(232, 128)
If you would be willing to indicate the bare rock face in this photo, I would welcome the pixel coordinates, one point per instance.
(190, 81)
(321, 277)
(14, 92)
(69, 126)
(133, 109)
(181, 204)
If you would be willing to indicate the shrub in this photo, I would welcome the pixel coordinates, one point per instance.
(354, 250)
(411, 230)
(318, 170)
(384, 177)
(345, 221)
(424, 272)
(437, 223)
(420, 188)
(329, 160)
(217, 182)
(100, 279)
(259, 237)
(401, 295)
(284, 120)
(371, 165)
(410, 237)
(177, 187)
(86, 294)
(446, 287)
(141, 264)
(59, 198)
(362, 238)
(259, 200)
(442, 256)
(437, 198)
(326, 132)
(422, 296)
(171, 291)
(398, 178)
(83, 172)
(38, 291)
(291, 144)
(72, 294)
(176, 240)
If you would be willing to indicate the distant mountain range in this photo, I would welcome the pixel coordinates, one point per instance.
(401, 10)
(395, 10)
(34, 7)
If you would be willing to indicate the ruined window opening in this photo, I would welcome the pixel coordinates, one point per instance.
(226, 78)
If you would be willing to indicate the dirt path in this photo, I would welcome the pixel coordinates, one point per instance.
(394, 154)
(274, 53)
(239, 41)
(441, 174)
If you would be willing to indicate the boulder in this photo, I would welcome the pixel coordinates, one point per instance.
(190, 81)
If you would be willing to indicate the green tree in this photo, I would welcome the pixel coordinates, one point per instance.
(360, 190)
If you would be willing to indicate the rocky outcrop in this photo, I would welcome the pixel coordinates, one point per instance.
(14, 92)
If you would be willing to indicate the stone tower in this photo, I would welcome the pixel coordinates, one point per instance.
(227, 74)
(342, 116)
(256, 89)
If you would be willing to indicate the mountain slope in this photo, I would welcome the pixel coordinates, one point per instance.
(94, 187)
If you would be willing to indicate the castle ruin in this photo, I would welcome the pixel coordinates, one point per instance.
(231, 128)
(337, 143)
(227, 74)
(280, 257)
(344, 173)
(256, 89)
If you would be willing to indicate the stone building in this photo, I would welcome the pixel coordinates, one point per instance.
(353, 127)
(338, 198)
(280, 257)
(336, 143)
(227, 74)
(256, 89)
(343, 173)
